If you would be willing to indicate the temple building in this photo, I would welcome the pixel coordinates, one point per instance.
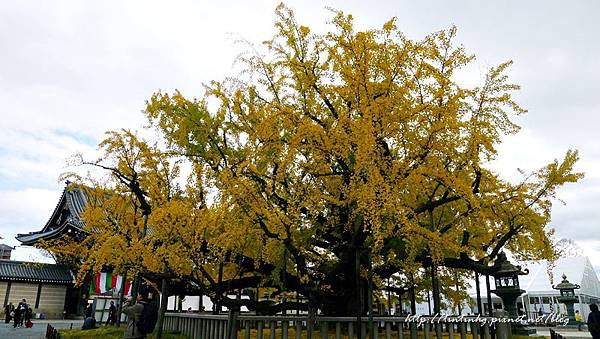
(65, 219)
(39, 281)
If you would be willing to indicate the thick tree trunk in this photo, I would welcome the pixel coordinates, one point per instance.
(350, 292)
(478, 290)
(217, 304)
(313, 303)
(413, 301)
(164, 298)
(435, 289)
(370, 298)
(490, 305)
(359, 304)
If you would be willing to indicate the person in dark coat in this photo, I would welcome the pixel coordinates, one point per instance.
(88, 311)
(18, 322)
(28, 314)
(23, 307)
(134, 310)
(593, 321)
(112, 314)
(89, 324)
(8, 309)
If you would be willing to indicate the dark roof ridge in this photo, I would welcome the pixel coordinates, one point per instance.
(56, 209)
(75, 200)
(26, 239)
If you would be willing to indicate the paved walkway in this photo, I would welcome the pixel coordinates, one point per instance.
(38, 331)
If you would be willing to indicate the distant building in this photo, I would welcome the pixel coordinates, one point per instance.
(43, 286)
(5, 251)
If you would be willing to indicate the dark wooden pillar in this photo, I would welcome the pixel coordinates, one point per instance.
(7, 296)
(37, 296)
(413, 299)
(479, 310)
(435, 289)
(489, 295)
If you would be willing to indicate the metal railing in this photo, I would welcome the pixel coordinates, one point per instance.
(244, 326)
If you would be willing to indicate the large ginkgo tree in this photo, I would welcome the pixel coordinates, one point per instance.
(336, 161)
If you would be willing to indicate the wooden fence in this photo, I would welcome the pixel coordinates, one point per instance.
(243, 326)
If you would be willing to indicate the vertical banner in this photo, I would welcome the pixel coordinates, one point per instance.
(97, 283)
(103, 282)
(119, 283)
(108, 282)
(113, 284)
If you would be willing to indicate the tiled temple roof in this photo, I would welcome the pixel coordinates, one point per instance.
(34, 272)
(73, 199)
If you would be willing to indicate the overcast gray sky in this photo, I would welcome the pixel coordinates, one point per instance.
(70, 70)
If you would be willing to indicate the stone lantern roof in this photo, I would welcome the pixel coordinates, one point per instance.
(504, 268)
(566, 285)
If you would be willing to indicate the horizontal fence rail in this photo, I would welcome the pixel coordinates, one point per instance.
(197, 325)
(244, 326)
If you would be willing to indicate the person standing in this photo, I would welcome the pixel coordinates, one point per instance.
(88, 311)
(133, 311)
(141, 316)
(28, 313)
(23, 310)
(593, 321)
(9, 312)
(578, 319)
(17, 317)
(112, 314)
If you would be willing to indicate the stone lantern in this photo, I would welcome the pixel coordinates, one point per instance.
(506, 277)
(567, 296)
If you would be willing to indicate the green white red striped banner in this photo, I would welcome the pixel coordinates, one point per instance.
(103, 282)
